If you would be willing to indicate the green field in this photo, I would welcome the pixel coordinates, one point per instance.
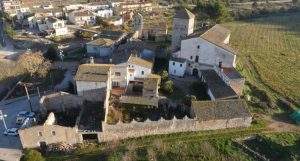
(268, 54)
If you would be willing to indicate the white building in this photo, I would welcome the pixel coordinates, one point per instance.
(51, 25)
(177, 67)
(82, 17)
(104, 13)
(58, 26)
(207, 51)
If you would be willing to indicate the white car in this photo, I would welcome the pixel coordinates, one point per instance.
(11, 132)
(22, 115)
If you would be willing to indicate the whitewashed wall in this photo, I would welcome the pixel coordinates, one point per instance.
(176, 69)
(208, 53)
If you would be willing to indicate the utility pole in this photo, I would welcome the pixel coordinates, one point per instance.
(27, 93)
(2, 117)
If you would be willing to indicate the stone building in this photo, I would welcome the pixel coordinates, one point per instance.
(183, 25)
(93, 81)
(52, 130)
(150, 27)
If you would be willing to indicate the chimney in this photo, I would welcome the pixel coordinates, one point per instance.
(92, 60)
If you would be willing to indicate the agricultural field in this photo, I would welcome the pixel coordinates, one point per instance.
(268, 55)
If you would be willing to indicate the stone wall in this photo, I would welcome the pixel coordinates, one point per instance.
(59, 102)
(32, 137)
(137, 129)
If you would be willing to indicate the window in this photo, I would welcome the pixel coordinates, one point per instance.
(115, 84)
(197, 59)
(180, 65)
(173, 63)
(189, 64)
(117, 73)
(142, 72)
(53, 132)
(40, 133)
(174, 71)
(191, 57)
(198, 46)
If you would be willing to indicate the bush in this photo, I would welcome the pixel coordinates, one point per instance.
(32, 155)
(168, 87)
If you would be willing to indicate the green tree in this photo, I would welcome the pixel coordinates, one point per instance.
(215, 10)
(168, 87)
(32, 155)
(8, 30)
(51, 53)
(164, 76)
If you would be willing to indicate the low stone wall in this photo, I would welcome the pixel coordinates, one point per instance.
(137, 129)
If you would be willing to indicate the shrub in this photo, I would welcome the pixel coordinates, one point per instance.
(168, 87)
(32, 155)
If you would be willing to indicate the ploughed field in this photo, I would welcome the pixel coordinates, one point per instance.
(269, 53)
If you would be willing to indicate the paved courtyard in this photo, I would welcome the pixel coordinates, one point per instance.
(10, 146)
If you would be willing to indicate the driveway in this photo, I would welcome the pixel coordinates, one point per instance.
(10, 146)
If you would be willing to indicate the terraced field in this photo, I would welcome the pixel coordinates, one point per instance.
(269, 52)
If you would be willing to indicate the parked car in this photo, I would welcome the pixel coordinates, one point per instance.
(11, 132)
(22, 115)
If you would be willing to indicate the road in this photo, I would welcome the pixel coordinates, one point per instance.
(10, 146)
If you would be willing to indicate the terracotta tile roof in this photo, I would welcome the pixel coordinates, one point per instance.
(184, 14)
(220, 109)
(139, 100)
(218, 88)
(217, 35)
(141, 62)
(93, 72)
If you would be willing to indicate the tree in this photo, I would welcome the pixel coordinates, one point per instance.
(32, 155)
(51, 53)
(187, 100)
(168, 87)
(164, 76)
(34, 63)
(295, 2)
(215, 9)
(9, 31)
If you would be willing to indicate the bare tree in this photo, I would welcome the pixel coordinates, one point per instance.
(34, 63)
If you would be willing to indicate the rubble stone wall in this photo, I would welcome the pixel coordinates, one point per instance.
(137, 129)
(59, 101)
(32, 137)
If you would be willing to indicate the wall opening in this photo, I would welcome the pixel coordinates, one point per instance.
(90, 137)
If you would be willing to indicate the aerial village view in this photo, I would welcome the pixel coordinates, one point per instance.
(150, 80)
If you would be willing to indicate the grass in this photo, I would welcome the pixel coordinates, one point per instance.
(203, 145)
(281, 146)
(268, 54)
